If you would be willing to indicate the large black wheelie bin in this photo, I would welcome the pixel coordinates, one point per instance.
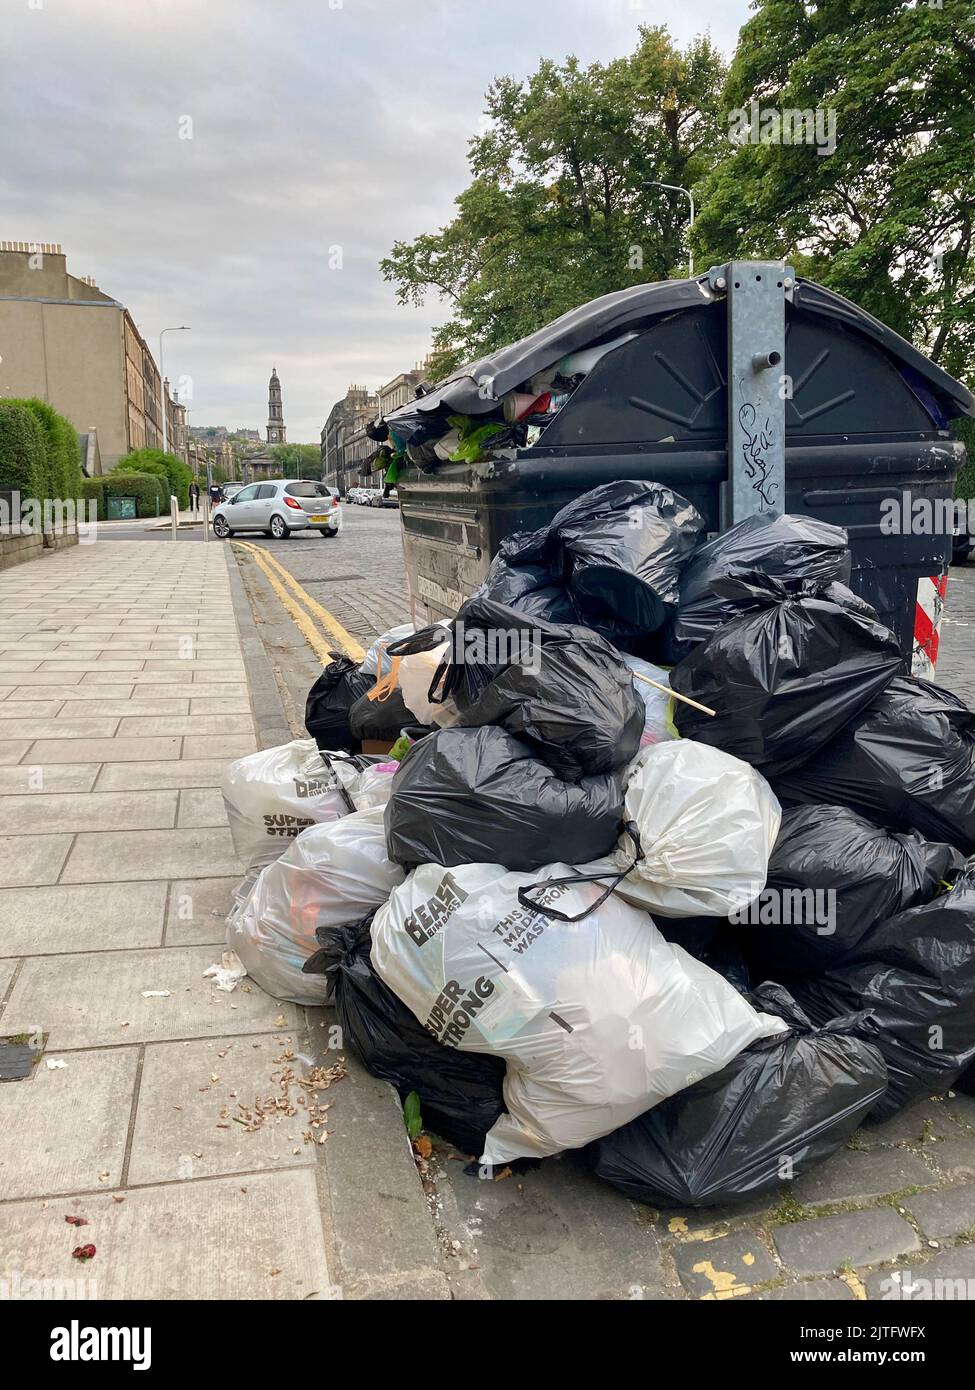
(866, 419)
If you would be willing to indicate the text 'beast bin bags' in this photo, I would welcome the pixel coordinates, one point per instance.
(562, 1002)
(479, 796)
(801, 662)
(460, 1092)
(907, 762)
(914, 978)
(831, 876)
(272, 795)
(619, 549)
(330, 875)
(707, 823)
(562, 689)
(780, 1107)
(785, 547)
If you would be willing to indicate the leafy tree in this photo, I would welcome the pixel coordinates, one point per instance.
(177, 473)
(559, 209)
(888, 218)
(298, 460)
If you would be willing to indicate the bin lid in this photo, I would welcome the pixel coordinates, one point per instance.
(477, 388)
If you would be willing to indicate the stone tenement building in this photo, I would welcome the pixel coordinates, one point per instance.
(65, 341)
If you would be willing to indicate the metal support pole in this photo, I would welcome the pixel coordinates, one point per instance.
(757, 385)
(205, 499)
(174, 515)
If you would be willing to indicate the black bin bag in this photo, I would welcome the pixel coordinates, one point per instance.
(782, 1106)
(460, 1092)
(531, 589)
(803, 660)
(908, 762)
(913, 977)
(330, 700)
(785, 547)
(380, 720)
(568, 693)
(619, 549)
(480, 796)
(831, 876)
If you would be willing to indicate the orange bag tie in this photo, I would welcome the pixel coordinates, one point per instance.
(385, 685)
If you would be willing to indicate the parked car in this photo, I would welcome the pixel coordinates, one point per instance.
(383, 501)
(279, 508)
(356, 495)
(228, 490)
(373, 496)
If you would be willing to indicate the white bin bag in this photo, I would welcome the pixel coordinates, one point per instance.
(330, 875)
(658, 725)
(376, 662)
(707, 824)
(274, 794)
(598, 1019)
(373, 787)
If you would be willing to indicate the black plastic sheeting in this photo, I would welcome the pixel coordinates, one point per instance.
(569, 694)
(480, 796)
(832, 875)
(460, 1092)
(802, 661)
(907, 762)
(783, 1105)
(914, 977)
(785, 547)
(619, 549)
(330, 701)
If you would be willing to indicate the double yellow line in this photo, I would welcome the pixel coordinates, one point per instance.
(308, 615)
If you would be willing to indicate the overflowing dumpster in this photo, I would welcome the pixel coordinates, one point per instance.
(830, 415)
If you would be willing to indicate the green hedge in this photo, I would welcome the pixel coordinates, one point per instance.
(62, 473)
(176, 473)
(150, 492)
(23, 453)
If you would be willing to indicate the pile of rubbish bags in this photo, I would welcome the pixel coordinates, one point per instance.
(664, 858)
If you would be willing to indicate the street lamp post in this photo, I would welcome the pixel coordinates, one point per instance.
(181, 328)
(676, 188)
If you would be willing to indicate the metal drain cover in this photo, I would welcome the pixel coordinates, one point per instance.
(18, 1057)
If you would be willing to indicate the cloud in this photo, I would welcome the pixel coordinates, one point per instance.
(312, 124)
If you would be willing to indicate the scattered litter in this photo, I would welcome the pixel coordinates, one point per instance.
(83, 1252)
(226, 975)
(157, 993)
(77, 1220)
(55, 1063)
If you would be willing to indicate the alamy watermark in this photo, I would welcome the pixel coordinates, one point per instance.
(59, 516)
(768, 125)
(497, 646)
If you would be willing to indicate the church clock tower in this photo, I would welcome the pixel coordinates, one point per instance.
(276, 432)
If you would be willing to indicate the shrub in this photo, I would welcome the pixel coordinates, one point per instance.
(151, 493)
(177, 474)
(23, 456)
(63, 450)
(92, 490)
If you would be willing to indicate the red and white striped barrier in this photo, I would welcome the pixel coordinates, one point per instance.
(927, 624)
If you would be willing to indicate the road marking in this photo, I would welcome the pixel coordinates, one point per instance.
(303, 617)
(328, 620)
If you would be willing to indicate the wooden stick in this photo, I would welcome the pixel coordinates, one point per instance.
(676, 694)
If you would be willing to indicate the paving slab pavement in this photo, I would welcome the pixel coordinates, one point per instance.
(116, 873)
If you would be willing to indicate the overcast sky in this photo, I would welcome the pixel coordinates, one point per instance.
(315, 123)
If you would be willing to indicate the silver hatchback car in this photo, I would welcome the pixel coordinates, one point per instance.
(278, 508)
